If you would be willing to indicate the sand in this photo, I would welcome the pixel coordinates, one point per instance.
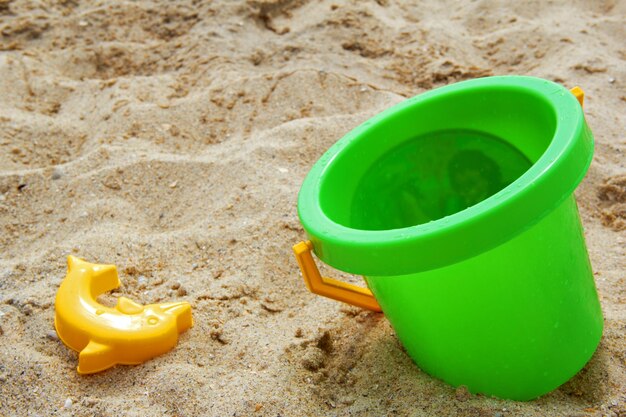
(171, 139)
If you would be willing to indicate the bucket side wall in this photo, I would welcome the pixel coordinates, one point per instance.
(515, 322)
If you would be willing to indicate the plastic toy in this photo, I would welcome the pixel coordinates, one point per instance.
(457, 206)
(129, 333)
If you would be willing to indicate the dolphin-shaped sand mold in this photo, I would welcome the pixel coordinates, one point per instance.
(129, 333)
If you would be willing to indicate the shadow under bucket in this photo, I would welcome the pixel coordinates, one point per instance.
(457, 206)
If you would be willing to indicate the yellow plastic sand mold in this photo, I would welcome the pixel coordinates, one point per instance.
(129, 333)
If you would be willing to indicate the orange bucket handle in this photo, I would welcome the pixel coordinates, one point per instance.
(328, 287)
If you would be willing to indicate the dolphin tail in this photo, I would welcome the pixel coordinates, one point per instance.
(74, 262)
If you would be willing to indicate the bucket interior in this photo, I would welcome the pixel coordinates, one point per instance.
(437, 158)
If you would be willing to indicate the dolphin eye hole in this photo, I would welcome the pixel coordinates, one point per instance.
(153, 320)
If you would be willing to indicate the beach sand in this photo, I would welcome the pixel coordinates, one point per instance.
(171, 139)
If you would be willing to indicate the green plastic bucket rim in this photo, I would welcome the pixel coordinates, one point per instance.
(493, 221)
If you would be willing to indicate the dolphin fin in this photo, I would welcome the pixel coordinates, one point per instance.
(128, 306)
(95, 357)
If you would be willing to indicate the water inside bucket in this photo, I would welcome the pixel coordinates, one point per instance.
(433, 176)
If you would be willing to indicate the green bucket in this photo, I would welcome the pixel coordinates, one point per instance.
(457, 206)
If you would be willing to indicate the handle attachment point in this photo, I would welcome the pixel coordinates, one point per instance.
(579, 94)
